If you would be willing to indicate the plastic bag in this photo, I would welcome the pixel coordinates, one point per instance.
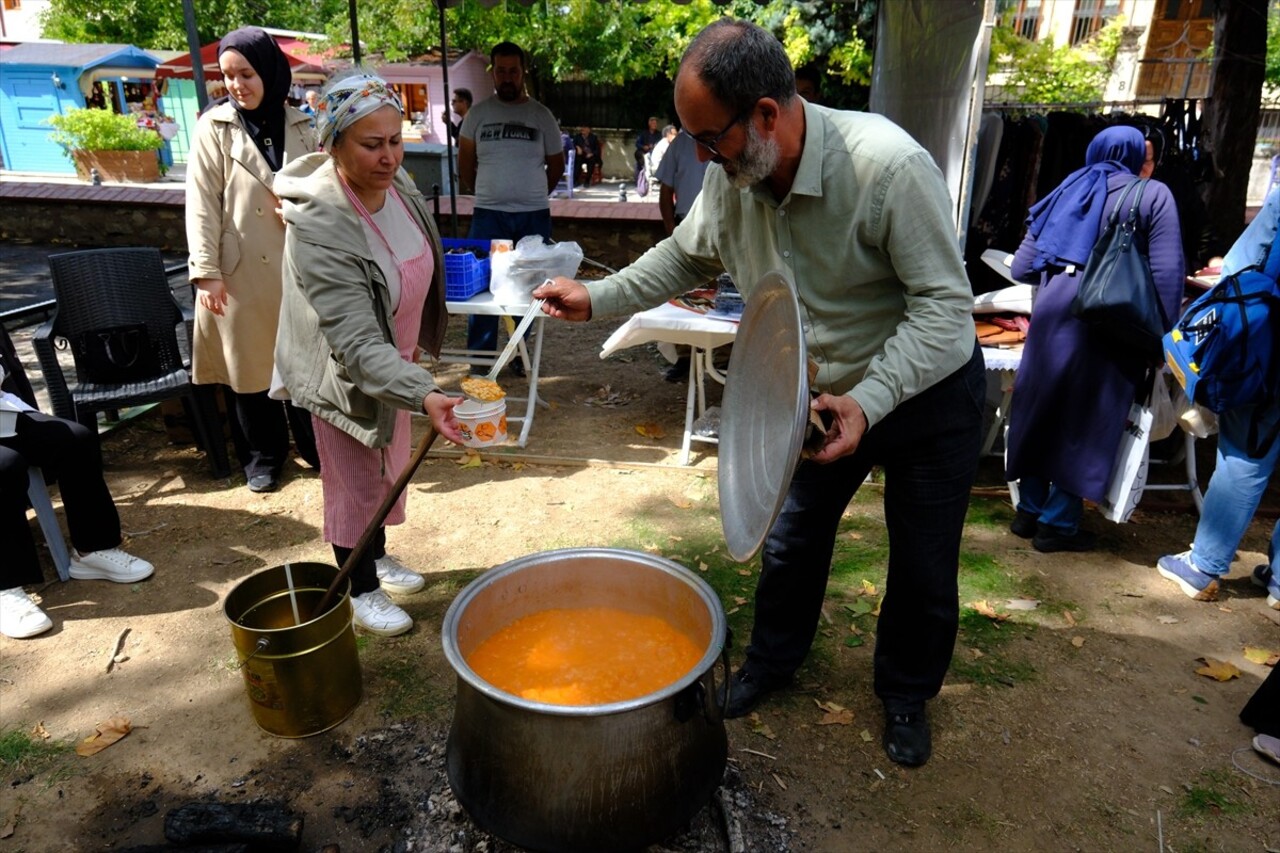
(1164, 413)
(514, 275)
(1193, 417)
(1129, 471)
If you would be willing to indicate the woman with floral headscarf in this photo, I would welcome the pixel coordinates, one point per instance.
(363, 292)
(1071, 397)
(237, 243)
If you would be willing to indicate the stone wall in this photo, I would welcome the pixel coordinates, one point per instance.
(605, 236)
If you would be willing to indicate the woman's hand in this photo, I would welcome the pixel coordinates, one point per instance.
(848, 425)
(212, 294)
(566, 299)
(439, 407)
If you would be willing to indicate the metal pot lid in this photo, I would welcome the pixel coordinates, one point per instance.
(763, 415)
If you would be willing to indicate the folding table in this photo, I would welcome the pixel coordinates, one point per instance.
(675, 325)
(484, 303)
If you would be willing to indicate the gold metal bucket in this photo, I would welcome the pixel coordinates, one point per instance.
(302, 675)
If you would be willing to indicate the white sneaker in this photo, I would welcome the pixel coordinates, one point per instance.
(375, 612)
(19, 616)
(394, 577)
(109, 564)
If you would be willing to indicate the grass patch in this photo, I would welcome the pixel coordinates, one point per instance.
(989, 512)
(406, 687)
(23, 756)
(1208, 797)
(990, 639)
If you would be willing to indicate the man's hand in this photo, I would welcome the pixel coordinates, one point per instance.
(566, 299)
(848, 425)
(439, 407)
(212, 294)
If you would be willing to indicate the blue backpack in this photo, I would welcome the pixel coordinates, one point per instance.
(1220, 350)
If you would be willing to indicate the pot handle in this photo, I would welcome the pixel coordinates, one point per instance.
(715, 701)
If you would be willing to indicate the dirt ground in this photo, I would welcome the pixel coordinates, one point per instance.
(1079, 725)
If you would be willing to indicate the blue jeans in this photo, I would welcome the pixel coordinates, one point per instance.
(928, 447)
(486, 224)
(1235, 490)
(1052, 506)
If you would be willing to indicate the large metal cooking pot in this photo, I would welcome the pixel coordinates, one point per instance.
(586, 777)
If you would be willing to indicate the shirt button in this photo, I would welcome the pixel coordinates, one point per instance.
(782, 213)
(786, 254)
(264, 259)
(259, 211)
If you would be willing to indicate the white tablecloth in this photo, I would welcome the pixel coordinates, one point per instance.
(671, 324)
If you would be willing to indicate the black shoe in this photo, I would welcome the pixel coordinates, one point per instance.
(1024, 524)
(1048, 540)
(907, 739)
(516, 367)
(677, 372)
(746, 691)
(264, 483)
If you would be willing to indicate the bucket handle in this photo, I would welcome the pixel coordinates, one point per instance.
(259, 646)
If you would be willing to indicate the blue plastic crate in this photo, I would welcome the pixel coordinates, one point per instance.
(465, 275)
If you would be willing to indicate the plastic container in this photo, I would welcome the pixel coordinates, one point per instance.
(465, 275)
(482, 424)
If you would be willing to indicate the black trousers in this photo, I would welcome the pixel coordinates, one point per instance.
(260, 430)
(69, 452)
(928, 447)
(364, 577)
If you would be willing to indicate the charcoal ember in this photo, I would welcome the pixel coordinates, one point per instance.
(264, 826)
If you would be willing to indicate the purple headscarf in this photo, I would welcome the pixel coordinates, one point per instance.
(1065, 224)
(265, 123)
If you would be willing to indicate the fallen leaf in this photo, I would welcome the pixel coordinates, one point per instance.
(781, 784)
(984, 609)
(1077, 641)
(1253, 654)
(861, 607)
(759, 727)
(1167, 620)
(855, 536)
(733, 611)
(38, 730)
(1217, 669)
(876, 612)
(739, 600)
(746, 573)
(1022, 604)
(7, 830)
(1071, 620)
(470, 460)
(107, 733)
(702, 567)
(651, 430)
(1199, 699)
(868, 588)
(976, 653)
(829, 707)
(680, 501)
(866, 736)
(854, 641)
(834, 715)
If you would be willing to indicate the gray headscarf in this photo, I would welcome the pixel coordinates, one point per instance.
(349, 97)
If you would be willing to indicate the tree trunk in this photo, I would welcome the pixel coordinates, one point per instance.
(1232, 112)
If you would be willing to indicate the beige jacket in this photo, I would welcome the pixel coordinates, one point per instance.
(336, 351)
(233, 234)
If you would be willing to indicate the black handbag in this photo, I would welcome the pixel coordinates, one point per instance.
(1117, 297)
(115, 355)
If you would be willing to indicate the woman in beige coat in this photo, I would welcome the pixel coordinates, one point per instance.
(236, 242)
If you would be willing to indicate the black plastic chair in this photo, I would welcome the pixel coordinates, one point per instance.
(118, 317)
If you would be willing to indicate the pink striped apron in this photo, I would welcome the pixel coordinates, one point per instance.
(354, 478)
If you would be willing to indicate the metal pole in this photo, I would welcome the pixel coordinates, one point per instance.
(448, 137)
(197, 61)
(355, 31)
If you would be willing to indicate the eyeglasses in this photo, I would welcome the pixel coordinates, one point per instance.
(713, 143)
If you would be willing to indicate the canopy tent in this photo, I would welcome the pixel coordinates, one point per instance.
(303, 67)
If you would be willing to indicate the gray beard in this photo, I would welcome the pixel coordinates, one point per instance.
(757, 161)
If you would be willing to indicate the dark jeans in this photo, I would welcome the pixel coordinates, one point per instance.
(260, 430)
(69, 452)
(482, 331)
(928, 447)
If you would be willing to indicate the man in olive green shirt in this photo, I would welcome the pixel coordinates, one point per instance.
(857, 216)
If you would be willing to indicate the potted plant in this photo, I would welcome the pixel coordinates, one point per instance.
(109, 142)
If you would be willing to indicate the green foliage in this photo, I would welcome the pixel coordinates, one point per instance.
(1273, 46)
(1041, 73)
(101, 130)
(22, 755)
(1208, 797)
